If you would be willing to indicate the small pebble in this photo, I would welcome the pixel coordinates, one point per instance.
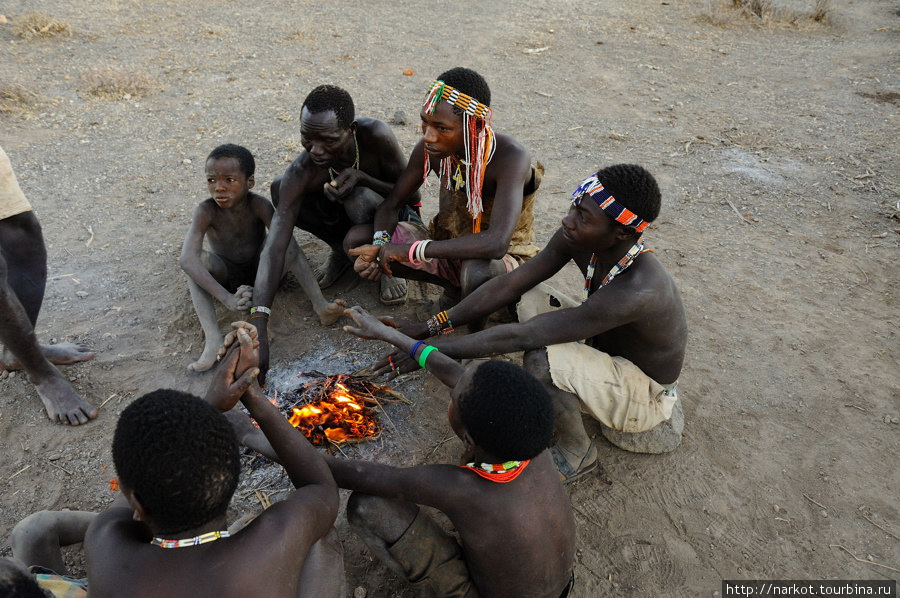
(359, 592)
(186, 161)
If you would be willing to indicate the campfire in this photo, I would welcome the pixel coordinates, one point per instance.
(335, 409)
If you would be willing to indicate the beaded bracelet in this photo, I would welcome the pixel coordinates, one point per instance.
(443, 320)
(261, 309)
(415, 347)
(381, 237)
(425, 353)
(434, 327)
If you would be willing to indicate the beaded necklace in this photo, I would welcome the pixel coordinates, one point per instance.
(617, 269)
(195, 541)
(333, 173)
(499, 472)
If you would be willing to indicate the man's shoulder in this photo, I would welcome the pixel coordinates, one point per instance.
(207, 206)
(256, 201)
(111, 531)
(507, 143)
(303, 172)
(373, 129)
(510, 153)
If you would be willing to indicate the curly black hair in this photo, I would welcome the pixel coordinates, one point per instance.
(633, 187)
(15, 583)
(239, 153)
(468, 82)
(179, 456)
(331, 97)
(507, 411)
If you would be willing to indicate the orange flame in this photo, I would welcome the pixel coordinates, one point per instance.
(337, 418)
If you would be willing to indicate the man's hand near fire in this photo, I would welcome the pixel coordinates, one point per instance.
(384, 328)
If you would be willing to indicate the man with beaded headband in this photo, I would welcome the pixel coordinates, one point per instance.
(615, 354)
(484, 224)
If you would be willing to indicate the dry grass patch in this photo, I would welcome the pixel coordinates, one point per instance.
(40, 25)
(116, 83)
(15, 99)
(765, 11)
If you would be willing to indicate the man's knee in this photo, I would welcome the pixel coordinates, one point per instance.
(21, 236)
(362, 508)
(536, 363)
(474, 273)
(384, 518)
(665, 437)
(37, 527)
(361, 205)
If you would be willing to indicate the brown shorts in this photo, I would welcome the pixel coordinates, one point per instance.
(433, 560)
(12, 200)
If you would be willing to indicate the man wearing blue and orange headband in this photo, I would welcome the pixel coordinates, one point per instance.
(616, 352)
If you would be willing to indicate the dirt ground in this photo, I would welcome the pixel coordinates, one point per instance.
(775, 144)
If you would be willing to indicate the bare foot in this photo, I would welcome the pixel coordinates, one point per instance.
(59, 354)
(332, 312)
(393, 290)
(62, 403)
(328, 273)
(207, 359)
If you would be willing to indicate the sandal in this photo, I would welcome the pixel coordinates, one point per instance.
(388, 284)
(567, 474)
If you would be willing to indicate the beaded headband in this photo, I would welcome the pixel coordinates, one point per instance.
(592, 187)
(441, 92)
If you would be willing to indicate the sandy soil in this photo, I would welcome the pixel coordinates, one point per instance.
(775, 144)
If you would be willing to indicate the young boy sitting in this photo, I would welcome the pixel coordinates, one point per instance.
(177, 462)
(234, 222)
(515, 523)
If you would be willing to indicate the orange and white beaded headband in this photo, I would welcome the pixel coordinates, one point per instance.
(441, 92)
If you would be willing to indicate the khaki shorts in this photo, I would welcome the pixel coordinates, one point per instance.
(449, 270)
(612, 390)
(433, 560)
(12, 200)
